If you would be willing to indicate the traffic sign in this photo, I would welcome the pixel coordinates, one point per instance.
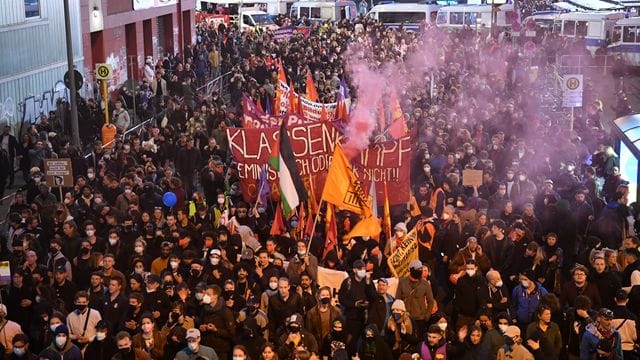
(58, 172)
(77, 77)
(104, 72)
(572, 91)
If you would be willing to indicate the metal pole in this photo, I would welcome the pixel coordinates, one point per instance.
(75, 132)
(134, 90)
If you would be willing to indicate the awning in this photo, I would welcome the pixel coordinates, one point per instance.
(628, 130)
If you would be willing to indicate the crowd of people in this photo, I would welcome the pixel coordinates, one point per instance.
(538, 262)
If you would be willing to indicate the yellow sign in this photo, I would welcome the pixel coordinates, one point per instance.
(104, 72)
(403, 255)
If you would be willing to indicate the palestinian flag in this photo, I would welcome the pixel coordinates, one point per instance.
(282, 160)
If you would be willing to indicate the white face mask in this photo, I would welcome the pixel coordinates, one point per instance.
(214, 261)
(174, 264)
(112, 242)
(90, 232)
(238, 357)
(127, 191)
(522, 178)
(138, 271)
(139, 249)
(21, 352)
(442, 326)
(38, 299)
(91, 176)
(53, 327)
(220, 201)
(399, 233)
(499, 283)
(206, 299)
(193, 347)
(147, 328)
(471, 272)
(98, 200)
(503, 327)
(101, 336)
(199, 296)
(61, 341)
(273, 285)
(361, 273)
(301, 253)
(525, 284)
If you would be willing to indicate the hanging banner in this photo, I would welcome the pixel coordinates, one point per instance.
(313, 146)
(310, 110)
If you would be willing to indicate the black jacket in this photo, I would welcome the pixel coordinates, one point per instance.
(101, 350)
(468, 297)
(222, 318)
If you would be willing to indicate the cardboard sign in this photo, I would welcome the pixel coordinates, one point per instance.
(471, 177)
(5, 273)
(58, 172)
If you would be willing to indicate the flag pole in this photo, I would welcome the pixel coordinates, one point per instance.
(315, 222)
(258, 197)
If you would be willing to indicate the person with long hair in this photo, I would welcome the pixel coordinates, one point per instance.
(269, 352)
(240, 352)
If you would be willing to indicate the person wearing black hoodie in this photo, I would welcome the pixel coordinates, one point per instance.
(372, 346)
(103, 347)
(217, 324)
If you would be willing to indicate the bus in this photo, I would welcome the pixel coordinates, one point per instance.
(475, 16)
(410, 16)
(320, 11)
(625, 40)
(595, 27)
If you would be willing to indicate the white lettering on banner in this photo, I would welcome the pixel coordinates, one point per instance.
(32, 108)
(310, 110)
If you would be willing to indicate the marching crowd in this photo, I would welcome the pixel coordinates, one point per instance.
(537, 262)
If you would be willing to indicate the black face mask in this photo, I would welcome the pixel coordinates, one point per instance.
(80, 308)
(195, 273)
(85, 251)
(132, 308)
(508, 340)
(53, 251)
(18, 253)
(416, 274)
(325, 300)
(294, 329)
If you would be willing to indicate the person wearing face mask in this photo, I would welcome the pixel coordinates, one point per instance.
(416, 291)
(103, 346)
(356, 293)
(467, 294)
(296, 337)
(126, 351)
(492, 338)
(217, 323)
(82, 321)
(399, 233)
(526, 297)
(472, 251)
(372, 345)
(131, 319)
(195, 349)
(83, 264)
(57, 259)
(21, 350)
(303, 261)
(400, 330)
(320, 317)
(494, 295)
(513, 348)
(149, 339)
(61, 347)
(252, 312)
(156, 301)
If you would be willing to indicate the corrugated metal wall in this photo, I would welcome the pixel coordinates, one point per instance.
(35, 57)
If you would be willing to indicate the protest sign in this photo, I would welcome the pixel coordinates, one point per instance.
(471, 177)
(310, 110)
(403, 255)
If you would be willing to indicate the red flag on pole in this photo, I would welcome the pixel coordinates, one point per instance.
(312, 93)
(278, 227)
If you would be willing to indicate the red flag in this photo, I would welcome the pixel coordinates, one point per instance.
(382, 117)
(332, 231)
(397, 129)
(312, 93)
(278, 227)
(396, 110)
(259, 106)
(323, 115)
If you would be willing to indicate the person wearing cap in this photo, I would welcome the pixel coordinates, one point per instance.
(416, 291)
(626, 323)
(57, 259)
(195, 350)
(64, 289)
(499, 248)
(513, 348)
(546, 197)
(526, 297)
(399, 232)
(356, 293)
(295, 337)
(103, 346)
(61, 346)
(472, 250)
(600, 332)
(156, 301)
(400, 330)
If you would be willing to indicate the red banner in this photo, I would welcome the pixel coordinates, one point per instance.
(313, 146)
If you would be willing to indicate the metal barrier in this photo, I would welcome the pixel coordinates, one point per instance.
(215, 84)
(580, 63)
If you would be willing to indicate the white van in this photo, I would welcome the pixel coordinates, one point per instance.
(250, 18)
(595, 27)
(474, 16)
(232, 7)
(410, 16)
(320, 11)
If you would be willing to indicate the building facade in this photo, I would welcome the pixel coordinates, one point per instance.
(34, 58)
(123, 33)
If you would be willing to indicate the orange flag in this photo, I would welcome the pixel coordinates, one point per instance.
(259, 106)
(331, 240)
(282, 79)
(323, 115)
(278, 227)
(293, 108)
(342, 187)
(386, 217)
(382, 117)
(312, 93)
(396, 110)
